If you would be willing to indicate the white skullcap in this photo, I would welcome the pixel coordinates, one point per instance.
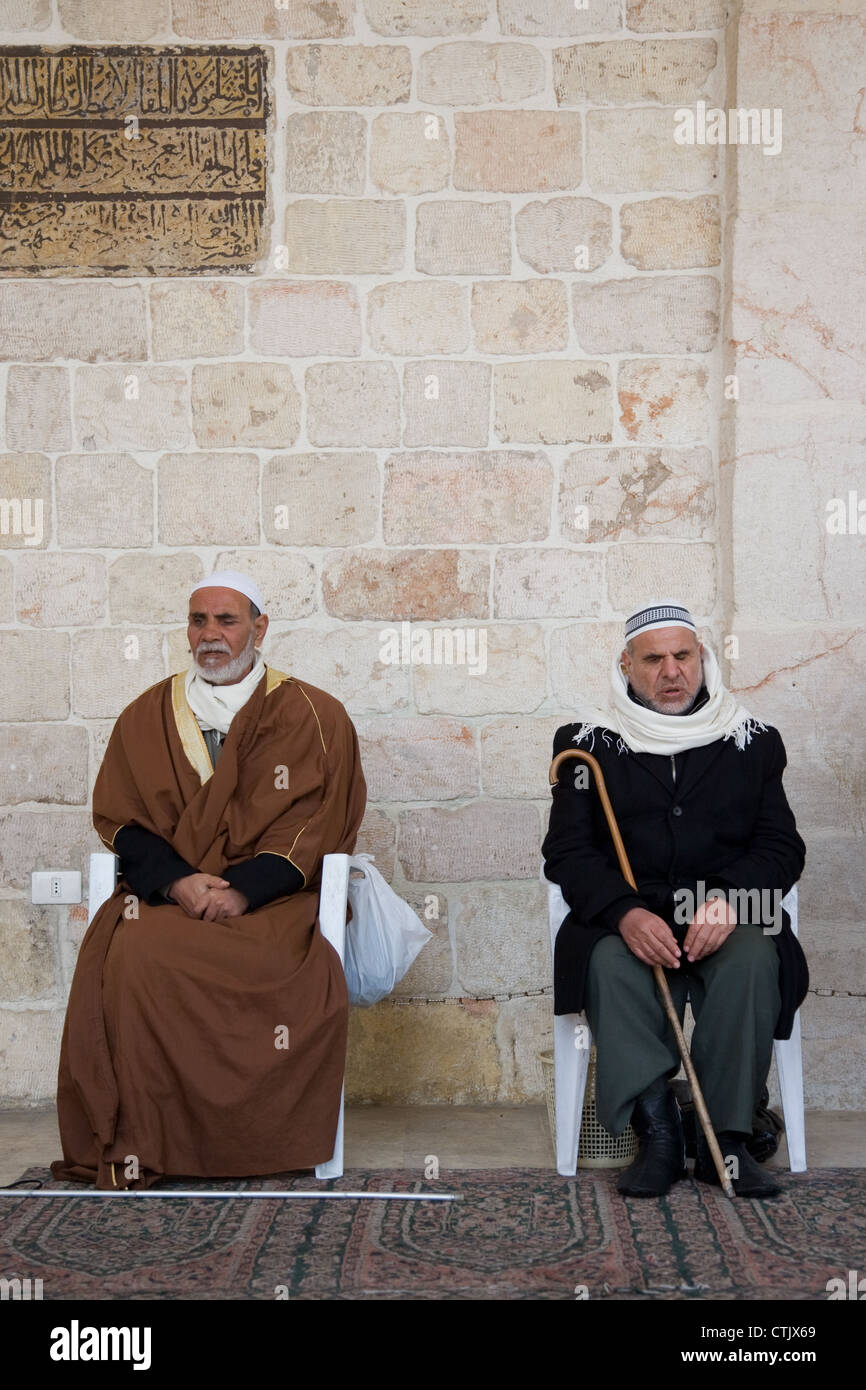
(233, 579)
(662, 612)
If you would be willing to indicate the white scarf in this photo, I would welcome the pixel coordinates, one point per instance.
(215, 706)
(644, 731)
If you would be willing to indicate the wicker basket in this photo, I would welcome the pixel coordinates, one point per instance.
(598, 1148)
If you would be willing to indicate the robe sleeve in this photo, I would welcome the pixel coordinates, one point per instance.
(593, 887)
(148, 863)
(264, 878)
(326, 817)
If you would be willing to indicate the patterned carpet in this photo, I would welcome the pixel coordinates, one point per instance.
(515, 1234)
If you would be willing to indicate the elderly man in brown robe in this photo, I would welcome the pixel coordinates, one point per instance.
(206, 1029)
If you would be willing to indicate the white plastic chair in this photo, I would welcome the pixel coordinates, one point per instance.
(332, 920)
(572, 1039)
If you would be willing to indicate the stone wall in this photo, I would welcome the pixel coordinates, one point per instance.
(477, 383)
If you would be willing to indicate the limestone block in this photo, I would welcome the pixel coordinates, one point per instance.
(524, 1029)
(553, 402)
(196, 318)
(29, 1053)
(671, 233)
(446, 403)
(834, 1052)
(502, 935)
(60, 590)
(342, 236)
(252, 403)
(635, 570)
(320, 499)
(564, 234)
(481, 841)
(19, 15)
(799, 485)
(396, 17)
(44, 763)
(353, 403)
(547, 583)
(633, 150)
(209, 499)
(478, 74)
(790, 677)
(484, 497)
(580, 661)
(432, 970)
(37, 409)
(287, 581)
(103, 500)
(25, 501)
(668, 313)
(377, 836)
(152, 588)
(299, 318)
(34, 675)
(419, 1054)
(345, 662)
(348, 74)
(516, 755)
(558, 17)
(418, 759)
(26, 954)
(517, 316)
(128, 660)
(135, 407)
(462, 237)
(799, 338)
(504, 671)
(254, 19)
(410, 152)
(517, 151)
(7, 576)
(43, 840)
(125, 21)
(643, 16)
(664, 401)
(41, 320)
(326, 152)
(622, 494)
(625, 70)
(808, 67)
(410, 316)
(409, 584)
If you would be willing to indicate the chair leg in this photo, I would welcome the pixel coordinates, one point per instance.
(334, 1166)
(571, 1044)
(789, 1064)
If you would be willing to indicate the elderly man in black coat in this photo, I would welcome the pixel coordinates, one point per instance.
(696, 786)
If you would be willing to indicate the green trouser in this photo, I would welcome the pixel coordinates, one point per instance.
(734, 996)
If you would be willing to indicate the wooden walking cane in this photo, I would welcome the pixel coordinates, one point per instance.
(658, 972)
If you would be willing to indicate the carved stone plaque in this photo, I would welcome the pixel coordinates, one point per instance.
(132, 161)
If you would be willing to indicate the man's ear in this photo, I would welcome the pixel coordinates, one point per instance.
(260, 626)
(625, 659)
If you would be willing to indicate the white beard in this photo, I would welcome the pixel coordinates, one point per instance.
(233, 670)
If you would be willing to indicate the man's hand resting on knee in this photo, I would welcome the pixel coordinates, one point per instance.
(649, 938)
(710, 927)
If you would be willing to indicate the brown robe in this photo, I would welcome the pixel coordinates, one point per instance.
(169, 1051)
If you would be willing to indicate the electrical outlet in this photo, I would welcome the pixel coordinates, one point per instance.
(55, 886)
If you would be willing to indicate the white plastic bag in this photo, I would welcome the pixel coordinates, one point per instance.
(383, 937)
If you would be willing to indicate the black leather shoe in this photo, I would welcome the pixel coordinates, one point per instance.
(748, 1179)
(661, 1158)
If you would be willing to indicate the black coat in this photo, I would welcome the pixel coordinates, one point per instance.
(725, 820)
